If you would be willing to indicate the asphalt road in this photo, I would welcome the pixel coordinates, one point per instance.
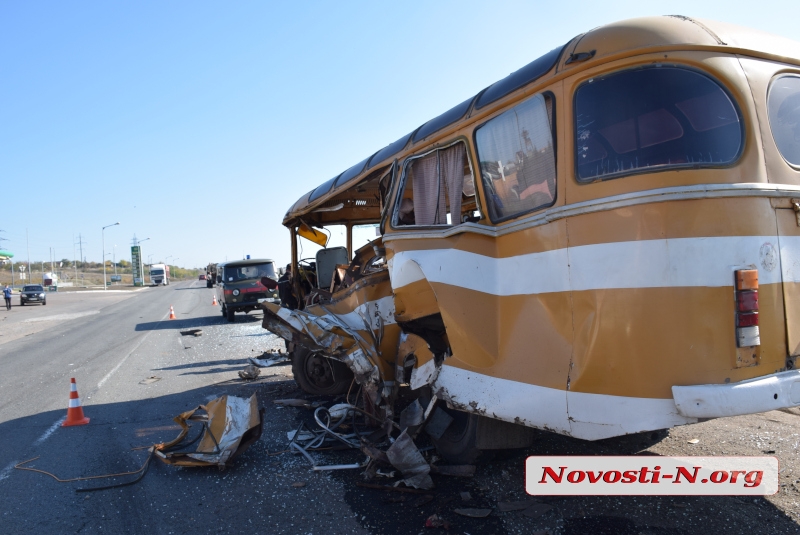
(111, 345)
(135, 371)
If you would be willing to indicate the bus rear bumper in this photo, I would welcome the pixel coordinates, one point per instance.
(767, 393)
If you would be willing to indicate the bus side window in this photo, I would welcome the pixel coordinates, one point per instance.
(438, 189)
(518, 163)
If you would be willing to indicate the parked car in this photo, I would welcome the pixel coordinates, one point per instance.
(202, 277)
(32, 293)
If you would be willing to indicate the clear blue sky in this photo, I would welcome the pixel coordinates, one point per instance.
(198, 124)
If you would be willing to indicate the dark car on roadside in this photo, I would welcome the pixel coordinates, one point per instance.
(32, 293)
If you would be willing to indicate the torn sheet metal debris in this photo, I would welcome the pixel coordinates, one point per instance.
(229, 425)
(411, 416)
(278, 360)
(405, 456)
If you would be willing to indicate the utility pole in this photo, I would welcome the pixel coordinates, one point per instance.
(80, 244)
(28, 247)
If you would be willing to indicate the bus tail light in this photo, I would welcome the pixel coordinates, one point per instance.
(747, 333)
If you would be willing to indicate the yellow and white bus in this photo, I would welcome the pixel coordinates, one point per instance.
(607, 241)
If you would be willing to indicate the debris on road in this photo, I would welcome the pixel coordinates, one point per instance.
(457, 470)
(192, 332)
(693, 441)
(228, 427)
(516, 506)
(405, 456)
(274, 359)
(473, 513)
(150, 380)
(395, 489)
(435, 521)
(249, 373)
(297, 403)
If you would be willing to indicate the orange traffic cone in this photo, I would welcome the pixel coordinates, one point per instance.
(214, 302)
(171, 313)
(74, 411)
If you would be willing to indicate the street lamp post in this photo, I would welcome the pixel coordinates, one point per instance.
(104, 253)
(114, 257)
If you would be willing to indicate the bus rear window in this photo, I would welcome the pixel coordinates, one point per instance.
(784, 116)
(652, 119)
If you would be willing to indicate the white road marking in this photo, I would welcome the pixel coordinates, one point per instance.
(50, 431)
(117, 367)
(7, 470)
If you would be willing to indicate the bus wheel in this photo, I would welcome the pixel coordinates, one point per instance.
(230, 315)
(319, 375)
(459, 442)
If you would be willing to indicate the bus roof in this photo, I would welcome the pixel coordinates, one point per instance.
(605, 43)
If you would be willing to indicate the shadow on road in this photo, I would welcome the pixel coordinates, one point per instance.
(237, 362)
(180, 324)
(299, 500)
(192, 288)
(104, 446)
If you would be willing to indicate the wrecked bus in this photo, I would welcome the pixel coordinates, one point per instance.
(606, 241)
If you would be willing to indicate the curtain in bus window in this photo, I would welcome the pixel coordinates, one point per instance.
(517, 159)
(429, 201)
(451, 162)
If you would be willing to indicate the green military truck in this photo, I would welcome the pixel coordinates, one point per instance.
(239, 287)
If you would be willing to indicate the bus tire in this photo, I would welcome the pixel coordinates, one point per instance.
(459, 442)
(318, 375)
(230, 315)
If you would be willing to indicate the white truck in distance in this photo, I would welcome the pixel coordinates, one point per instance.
(159, 274)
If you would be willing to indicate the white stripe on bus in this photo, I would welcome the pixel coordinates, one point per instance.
(668, 263)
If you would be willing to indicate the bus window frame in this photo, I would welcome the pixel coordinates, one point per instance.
(665, 168)
(554, 138)
(403, 176)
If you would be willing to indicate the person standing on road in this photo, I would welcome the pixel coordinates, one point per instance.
(7, 296)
